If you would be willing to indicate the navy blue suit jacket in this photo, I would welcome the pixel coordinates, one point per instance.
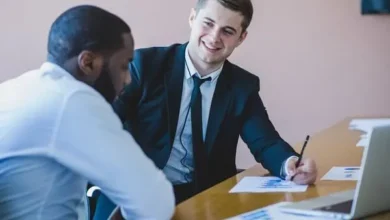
(149, 108)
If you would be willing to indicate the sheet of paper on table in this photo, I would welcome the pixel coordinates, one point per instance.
(342, 173)
(366, 126)
(271, 212)
(258, 184)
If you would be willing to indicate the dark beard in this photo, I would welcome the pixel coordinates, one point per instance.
(105, 86)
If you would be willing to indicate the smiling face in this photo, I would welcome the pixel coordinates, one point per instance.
(215, 32)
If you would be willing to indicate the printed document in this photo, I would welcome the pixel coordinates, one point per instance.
(272, 212)
(257, 184)
(342, 173)
(366, 126)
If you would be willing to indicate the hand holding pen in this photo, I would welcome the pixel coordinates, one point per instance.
(302, 170)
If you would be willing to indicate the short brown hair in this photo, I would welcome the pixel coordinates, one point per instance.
(245, 7)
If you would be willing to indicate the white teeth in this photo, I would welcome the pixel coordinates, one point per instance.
(210, 47)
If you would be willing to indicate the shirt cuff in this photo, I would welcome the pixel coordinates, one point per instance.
(123, 213)
(285, 168)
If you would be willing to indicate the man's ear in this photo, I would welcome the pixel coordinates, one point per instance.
(89, 64)
(242, 38)
(192, 17)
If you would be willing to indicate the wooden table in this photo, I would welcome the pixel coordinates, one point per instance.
(335, 146)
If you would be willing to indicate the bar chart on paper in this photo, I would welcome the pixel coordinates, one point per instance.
(257, 184)
(342, 173)
(272, 212)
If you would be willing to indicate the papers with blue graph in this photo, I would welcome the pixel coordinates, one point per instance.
(271, 213)
(342, 173)
(257, 184)
(366, 126)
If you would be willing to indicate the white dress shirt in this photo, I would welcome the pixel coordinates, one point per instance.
(56, 134)
(180, 165)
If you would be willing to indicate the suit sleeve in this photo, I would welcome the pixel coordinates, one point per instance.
(260, 135)
(91, 141)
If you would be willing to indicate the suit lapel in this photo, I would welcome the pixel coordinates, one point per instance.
(219, 106)
(174, 86)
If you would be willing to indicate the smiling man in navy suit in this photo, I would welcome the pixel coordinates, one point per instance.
(187, 105)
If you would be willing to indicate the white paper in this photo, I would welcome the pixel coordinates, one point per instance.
(342, 173)
(257, 184)
(271, 212)
(363, 142)
(366, 126)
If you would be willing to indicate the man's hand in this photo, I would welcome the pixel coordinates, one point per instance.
(306, 173)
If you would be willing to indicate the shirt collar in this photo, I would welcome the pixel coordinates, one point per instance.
(214, 75)
(52, 67)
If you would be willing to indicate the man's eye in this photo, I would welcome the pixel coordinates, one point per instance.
(208, 23)
(228, 32)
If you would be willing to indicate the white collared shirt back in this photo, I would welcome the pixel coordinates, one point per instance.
(56, 134)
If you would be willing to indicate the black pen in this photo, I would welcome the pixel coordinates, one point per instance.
(301, 154)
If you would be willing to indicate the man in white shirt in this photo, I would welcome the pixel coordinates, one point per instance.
(58, 130)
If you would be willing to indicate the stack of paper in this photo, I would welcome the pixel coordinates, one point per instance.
(270, 213)
(258, 184)
(342, 173)
(366, 125)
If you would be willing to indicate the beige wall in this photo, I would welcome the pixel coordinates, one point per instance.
(319, 61)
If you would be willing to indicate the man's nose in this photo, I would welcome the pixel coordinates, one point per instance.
(215, 35)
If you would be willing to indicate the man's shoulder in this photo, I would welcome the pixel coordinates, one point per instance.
(57, 88)
(150, 61)
(242, 76)
(157, 52)
(47, 85)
